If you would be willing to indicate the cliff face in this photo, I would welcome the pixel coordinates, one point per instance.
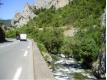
(99, 68)
(21, 18)
(49, 3)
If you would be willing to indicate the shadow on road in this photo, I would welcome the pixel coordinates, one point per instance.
(6, 41)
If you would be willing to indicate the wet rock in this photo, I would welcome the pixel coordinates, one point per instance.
(61, 78)
(99, 67)
(62, 55)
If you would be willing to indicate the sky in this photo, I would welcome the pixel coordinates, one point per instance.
(10, 7)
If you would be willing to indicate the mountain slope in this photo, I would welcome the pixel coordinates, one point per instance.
(6, 22)
(48, 3)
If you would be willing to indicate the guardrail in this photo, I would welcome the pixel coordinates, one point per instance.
(41, 70)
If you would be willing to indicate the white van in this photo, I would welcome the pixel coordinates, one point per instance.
(23, 37)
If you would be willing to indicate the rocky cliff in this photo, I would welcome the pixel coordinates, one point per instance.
(49, 3)
(99, 67)
(21, 18)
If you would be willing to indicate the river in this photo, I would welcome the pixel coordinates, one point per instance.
(69, 69)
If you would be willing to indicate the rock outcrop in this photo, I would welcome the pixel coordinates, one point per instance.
(21, 18)
(49, 3)
(99, 67)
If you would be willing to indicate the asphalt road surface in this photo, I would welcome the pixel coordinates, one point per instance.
(16, 60)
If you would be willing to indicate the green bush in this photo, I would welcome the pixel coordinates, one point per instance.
(52, 39)
(66, 47)
(41, 47)
(11, 33)
(87, 46)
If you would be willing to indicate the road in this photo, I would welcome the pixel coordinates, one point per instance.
(16, 60)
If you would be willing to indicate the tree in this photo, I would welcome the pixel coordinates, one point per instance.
(2, 34)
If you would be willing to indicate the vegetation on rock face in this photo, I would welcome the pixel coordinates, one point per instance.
(84, 14)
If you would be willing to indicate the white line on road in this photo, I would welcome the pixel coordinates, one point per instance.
(17, 74)
(28, 47)
(26, 53)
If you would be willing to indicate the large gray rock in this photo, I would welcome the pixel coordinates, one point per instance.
(99, 67)
(49, 3)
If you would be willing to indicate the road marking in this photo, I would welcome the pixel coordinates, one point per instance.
(26, 53)
(28, 47)
(17, 74)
